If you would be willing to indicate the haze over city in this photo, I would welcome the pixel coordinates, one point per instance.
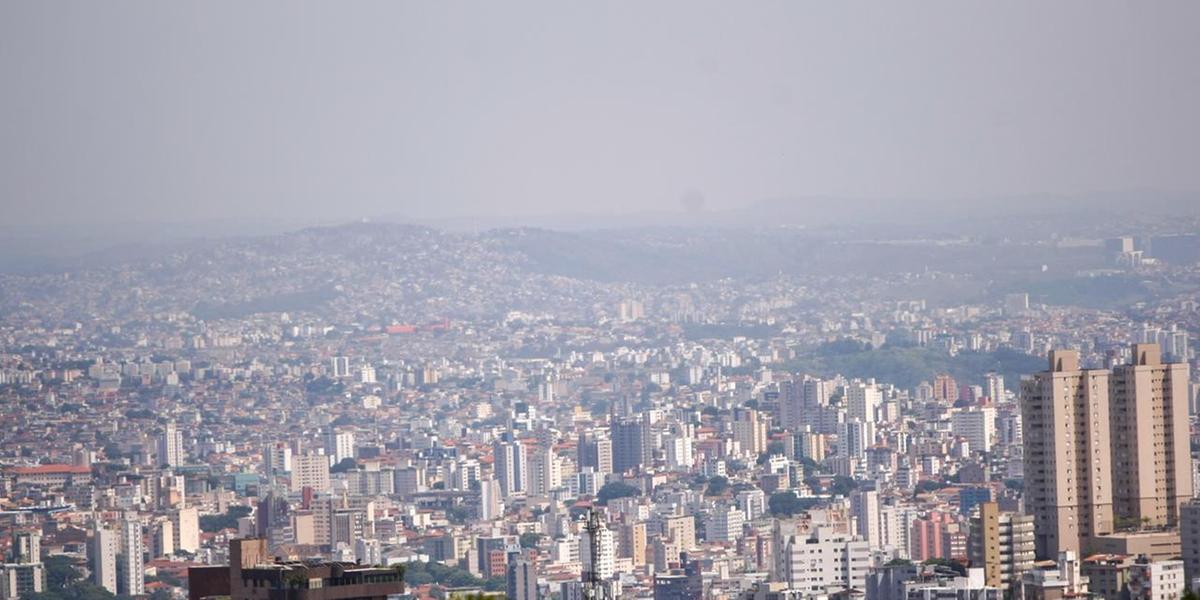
(575, 301)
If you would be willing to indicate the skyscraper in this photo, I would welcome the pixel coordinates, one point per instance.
(1152, 461)
(1104, 451)
(1068, 470)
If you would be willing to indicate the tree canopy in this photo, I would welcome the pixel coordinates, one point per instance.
(614, 490)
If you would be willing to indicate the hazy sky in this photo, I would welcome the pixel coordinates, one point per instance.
(170, 110)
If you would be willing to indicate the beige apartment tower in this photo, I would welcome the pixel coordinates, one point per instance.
(1101, 447)
(1068, 469)
(1152, 462)
(1002, 543)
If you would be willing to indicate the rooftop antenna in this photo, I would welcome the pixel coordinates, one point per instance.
(593, 586)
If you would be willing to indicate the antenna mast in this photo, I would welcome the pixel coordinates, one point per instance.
(593, 587)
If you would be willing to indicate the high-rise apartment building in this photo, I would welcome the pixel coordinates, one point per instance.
(512, 469)
(545, 471)
(133, 568)
(724, 524)
(339, 445)
(854, 437)
(862, 400)
(819, 561)
(103, 558)
(977, 425)
(522, 580)
(864, 507)
(595, 450)
(1152, 461)
(1068, 468)
(750, 431)
(945, 389)
(1002, 543)
(186, 529)
(630, 444)
(311, 471)
(994, 387)
(1104, 451)
(491, 505)
(339, 366)
(800, 402)
(170, 446)
(1189, 534)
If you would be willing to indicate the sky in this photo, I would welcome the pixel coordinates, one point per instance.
(177, 111)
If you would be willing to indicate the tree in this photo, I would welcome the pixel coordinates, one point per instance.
(346, 464)
(786, 504)
(60, 572)
(717, 486)
(77, 591)
(842, 485)
(954, 565)
(614, 490)
(929, 486)
(530, 539)
(215, 523)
